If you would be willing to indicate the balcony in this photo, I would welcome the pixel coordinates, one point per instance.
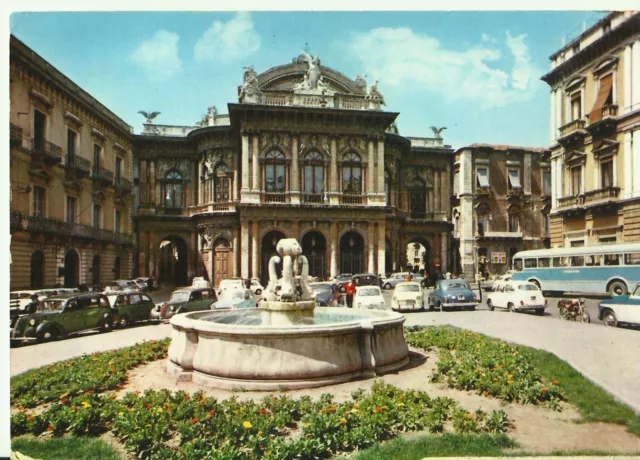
(353, 200)
(123, 185)
(427, 215)
(570, 202)
(601, 196)
(313, 198)
(46, 151)
(275, 197)
(80, 165)
(101, 176)
(609, 111)
(219, 207)
(15, 134)
(500, 235)
(572, 127)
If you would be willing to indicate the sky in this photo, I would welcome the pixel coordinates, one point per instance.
(475, 73)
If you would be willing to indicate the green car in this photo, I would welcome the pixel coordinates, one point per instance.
(130, 307)
(184, 300)
(62, 315)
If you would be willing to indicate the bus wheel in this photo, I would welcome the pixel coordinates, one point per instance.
(617, 288)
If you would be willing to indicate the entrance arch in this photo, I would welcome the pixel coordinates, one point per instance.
(173, 261)
(71, 268)
(222, 255)
(95, 271)
(268, 250)
(116, 268)
(314, 247)
(37, 270)
(419, 255)
(352, 253)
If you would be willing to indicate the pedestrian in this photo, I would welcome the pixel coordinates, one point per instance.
(409, 277)
(32, 306)
(350, 291)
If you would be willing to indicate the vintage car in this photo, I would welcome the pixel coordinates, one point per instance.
(366, 279)
(130, 307)
(500, 281)
(517, 296)
(452, 293)
(407, 296)
(230, 284)
(369, 297)
(326, 294)
(622, 309)
(393, 280)
(184, 300)
(121, 285)
(238, 298)
(341, 281)
(62, 315)
(146, 284)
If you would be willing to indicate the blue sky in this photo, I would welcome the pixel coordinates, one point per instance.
(477, 73)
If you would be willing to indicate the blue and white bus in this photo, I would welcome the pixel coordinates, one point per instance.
(612, 268)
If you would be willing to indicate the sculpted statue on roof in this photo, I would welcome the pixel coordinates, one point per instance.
(250, 83)
(375, 94)
(313, 80)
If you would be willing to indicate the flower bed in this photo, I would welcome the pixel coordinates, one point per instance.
(90, 373)
(469, 361)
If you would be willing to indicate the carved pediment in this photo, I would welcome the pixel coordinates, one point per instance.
(574, 157)
(604, 147)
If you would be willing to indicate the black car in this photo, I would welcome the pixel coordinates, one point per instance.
(366, 279)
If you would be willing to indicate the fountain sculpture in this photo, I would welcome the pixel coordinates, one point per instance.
(288, 342)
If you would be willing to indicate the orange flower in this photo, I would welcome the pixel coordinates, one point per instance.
(555, 382)
(148, 406)
(264, 411)
(469, 415)
(343, 421)
(516, 353)
(187, 396)
(113, 370)
(194, 420)
(308, 436)
(545, 390)
(137, 392)
(113, 396)
(50, 428)
(377, 409)
(29, 418)
(212, 412)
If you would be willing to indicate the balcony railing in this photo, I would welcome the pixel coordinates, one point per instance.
(569, 202)
(601, 196)
(123, 185)
(352, 199)
(275, 197)
(38, 224)
(102, 175)
(609, 111)
(46, 151)
(79, 164)
(314, 198)
(572, 126)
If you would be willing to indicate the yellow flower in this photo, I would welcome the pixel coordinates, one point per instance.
(469, 415)
(516, 353)
(85, 404)
(356, 405)
(307, 425)
(343, 421)
(247, 424)
(159, 410)
(401, 404)
(354, 411)
(259, 433)
(510, 382)
(510, 376)
(120, 414)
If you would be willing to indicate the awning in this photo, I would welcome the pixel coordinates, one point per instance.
(514, 178)
(483, 177)
(606, 85)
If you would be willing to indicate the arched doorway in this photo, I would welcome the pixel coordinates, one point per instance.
(116, 268)
(352, 253)
(314, 247)
(71, 268)
(388, 257)
(222, 255)
(37, 270)
(419, 256)
(269, 243)
(173, 261)
(95, 271)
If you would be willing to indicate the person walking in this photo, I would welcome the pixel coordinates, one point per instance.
(350, 291)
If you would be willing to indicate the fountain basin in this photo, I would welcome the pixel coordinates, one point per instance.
(256, 350)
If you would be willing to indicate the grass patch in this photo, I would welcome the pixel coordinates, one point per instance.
(593, 403)
(447, 445)
(65, 448)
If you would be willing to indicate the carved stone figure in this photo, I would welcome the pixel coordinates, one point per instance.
(437, 131)
(313, 73)
(290, 287)
(249, 86)
(361, 81)
(375, 94)
(149, 115)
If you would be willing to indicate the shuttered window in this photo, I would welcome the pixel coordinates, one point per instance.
(604, 93)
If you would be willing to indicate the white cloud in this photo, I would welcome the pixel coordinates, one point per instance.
(158, 56)
(231, 40)
(400, 56)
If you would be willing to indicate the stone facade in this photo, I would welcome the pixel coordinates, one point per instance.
(71, 181)
(595, 134)
(501, 204)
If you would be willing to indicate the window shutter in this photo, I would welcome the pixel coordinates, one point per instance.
(606, 85)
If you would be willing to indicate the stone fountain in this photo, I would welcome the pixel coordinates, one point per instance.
(288, 342)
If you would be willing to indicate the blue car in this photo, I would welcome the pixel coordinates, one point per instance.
(621, 309)
(325, 294)
(454, 294)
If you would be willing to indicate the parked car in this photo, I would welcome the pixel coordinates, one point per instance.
(239, 298)
(395, 278)
(121, 285)
(622, 309)
(517, 296)
(408, 296)
(341, 281)
(453, 293)
(62, 315)
(366, 279)
(130, 307)
(234, 283)
(150, 283)
(200, 282)
(500, 281)
(369, 297)
(326, 294)
(185, 300)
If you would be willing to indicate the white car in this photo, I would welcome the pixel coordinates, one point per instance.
(231, 284)
(517, 296)
(408, 296)
(200, 282)
(369, 297)
(501, 281)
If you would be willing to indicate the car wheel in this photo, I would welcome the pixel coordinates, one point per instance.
(490, 305)
(258, 291)
(49, 335)
(387, 286)
(511, 307)
(439, 305)
(617, 288)
(106, 325)
(124, 322)
(609, 319)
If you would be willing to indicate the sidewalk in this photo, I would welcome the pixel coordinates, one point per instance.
(607, 356)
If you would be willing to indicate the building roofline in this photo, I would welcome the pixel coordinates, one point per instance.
(608, 17)
(504, 148)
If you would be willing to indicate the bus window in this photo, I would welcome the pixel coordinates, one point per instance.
(560, 261)
(517, 264)
(544, 262)
(577, 261)
(530, 263)
(632, 259)
(612, 259)
(592, 261)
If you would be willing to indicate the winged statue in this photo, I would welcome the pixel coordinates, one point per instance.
(149, 116)
(437, 131)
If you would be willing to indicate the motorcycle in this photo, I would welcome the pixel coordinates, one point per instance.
(574, 310)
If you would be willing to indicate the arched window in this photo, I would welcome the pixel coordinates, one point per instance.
(206, 185)
(221, 178)
(313, 173)
(274, 172)
(173, 190)
(514, 219)
(418, 200)
(351, 174)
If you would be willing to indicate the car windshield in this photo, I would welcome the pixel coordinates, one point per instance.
(179, 297)
(51, 305)
(237, 294)
(368, 292)
(321, 287)
(455, 284)
(408, 288)
(527, 287)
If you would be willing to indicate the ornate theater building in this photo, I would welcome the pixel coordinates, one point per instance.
(307, 153)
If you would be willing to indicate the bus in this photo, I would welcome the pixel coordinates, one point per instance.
(611, 268)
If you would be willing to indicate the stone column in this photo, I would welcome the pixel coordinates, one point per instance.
(255, 269)
(381, 247)
(245, 165)
(333, 243)
(152, 188)
(436, 191)
(526, 173)
(558, 106)
(371, 245)
(234, 189)
(255, 183)
(371, 184)
(236, 253)
(334, 193)
(629, 182)
(444, 257)
(635, 76)
(381, 169)
(295, 174)
(153, 272)
(244, 249)
(552, 117)
(554, 187)
(635, 142)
